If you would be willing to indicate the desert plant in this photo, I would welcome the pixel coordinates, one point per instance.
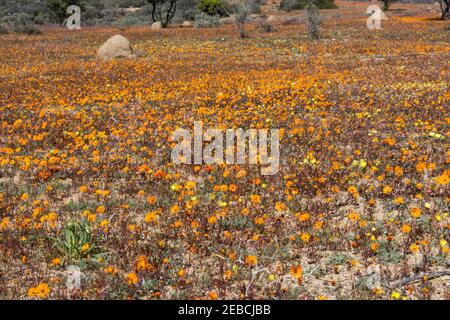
(131, 20)
(211, 7)
(266, 27)
(59, 8)
(313, 21)
(387, 4)
(3, 29)
(186, 10)
(242, 12)
(240, 9)
(24, 24)
(202, 20)
(289, 5)
(39, 19)
(163, 11)
(75, 242)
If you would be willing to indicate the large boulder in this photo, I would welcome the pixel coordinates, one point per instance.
(156, 26)
(116, 46)
(271, 19)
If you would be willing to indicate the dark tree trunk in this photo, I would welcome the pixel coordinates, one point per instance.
(153, 11)
(445, 7)
(163, 12)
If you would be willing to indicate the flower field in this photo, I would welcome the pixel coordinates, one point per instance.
(358, 210)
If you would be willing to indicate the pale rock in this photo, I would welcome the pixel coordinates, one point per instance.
(156, 26)
(271, 19)
(116, 46)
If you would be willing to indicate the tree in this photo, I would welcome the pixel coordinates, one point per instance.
(211, 7)
(445, 9)
(240, 9)
(163, 11)
(59, 7)
(387, 4)
(313, 20)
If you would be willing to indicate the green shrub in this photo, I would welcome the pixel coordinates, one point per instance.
(3, 29)
(202, 20)
(312, 14)
(288, 5)
(132, 20)
(211, 7)
(75, 242)
(255, 6)
(326, 4)
(96, 13)
(267, 27)
(39, 19)
(186, 10)
(24, 24)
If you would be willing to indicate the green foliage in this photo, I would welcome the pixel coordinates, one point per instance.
(132, 20)
(39, 19)
(203, 20)
(75, 242)
(387, 4)
(267, 27)
(23, 24)
(211, 7)
(313, 21)
(37, 11)
(186, 10)
(98, 12)
(338, 259)
(3, 29)
(255, 6)
(163, 11)
(59, 7)
(289, 5)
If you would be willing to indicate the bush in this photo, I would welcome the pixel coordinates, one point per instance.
(267, 27)
(132, 20)
(139, 17)
(3, 29)
(255, 6)
(29, 29)
(312, 13)
(212, 7)
(202, 20)
(39, 19)
(186, 10)
(36, 9)
(288, 5)
(326, 4)
(23, 24)
(97, 13)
